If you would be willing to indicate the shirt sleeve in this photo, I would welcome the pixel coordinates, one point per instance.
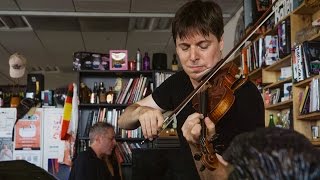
(162, 94)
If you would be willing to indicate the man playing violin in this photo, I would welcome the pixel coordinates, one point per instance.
(197, 30)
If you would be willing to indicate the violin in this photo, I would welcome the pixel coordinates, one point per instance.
(214, 100)
(214, 96)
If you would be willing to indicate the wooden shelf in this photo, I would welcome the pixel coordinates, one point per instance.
(119, 139)
(255, 74)
(303, 9)
(305, 82)
(310, 116)
(315, 142)
(103, 105)
(280, 105)
(315, 37)
(278, 84)
(114, 73)
(284, 62)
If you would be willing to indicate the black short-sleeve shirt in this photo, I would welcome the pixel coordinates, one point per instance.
(88, 166)
(246, 114)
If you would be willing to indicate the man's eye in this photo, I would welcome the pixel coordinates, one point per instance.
(184, 48)
(203, 46)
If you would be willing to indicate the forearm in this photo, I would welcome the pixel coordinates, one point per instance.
(129, 119)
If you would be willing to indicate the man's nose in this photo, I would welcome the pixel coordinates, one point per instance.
(193, 54)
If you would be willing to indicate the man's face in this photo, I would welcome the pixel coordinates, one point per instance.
(198, 54)
(108, 141)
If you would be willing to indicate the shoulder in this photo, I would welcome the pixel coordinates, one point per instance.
(248, 89)
(176, 80)
(85, 156)
(180, 75)
(172, 90)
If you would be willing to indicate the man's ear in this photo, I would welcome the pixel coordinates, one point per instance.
(221, 43)
(97, 138)
(221, 160)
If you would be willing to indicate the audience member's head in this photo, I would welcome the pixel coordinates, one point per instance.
(272, 153)
(102, 138)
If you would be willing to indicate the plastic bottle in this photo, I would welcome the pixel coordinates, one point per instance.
(138, 59)
(146, 62)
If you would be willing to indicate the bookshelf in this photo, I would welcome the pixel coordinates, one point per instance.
(303, 16)
(109, 78)
(300, 20)
(127, 146)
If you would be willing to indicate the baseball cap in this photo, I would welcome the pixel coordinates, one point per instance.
(17, 65)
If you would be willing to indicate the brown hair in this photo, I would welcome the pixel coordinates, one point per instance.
(202, 17)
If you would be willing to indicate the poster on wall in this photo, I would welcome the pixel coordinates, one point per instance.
(52, 143)
(27, 132)
(7, 119)
(32, 156)
(6, 149)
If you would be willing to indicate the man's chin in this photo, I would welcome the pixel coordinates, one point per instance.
(197, 75)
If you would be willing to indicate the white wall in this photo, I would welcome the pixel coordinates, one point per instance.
(53, 81)
(229, 33)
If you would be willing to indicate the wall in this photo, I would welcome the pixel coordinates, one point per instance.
(229, 33)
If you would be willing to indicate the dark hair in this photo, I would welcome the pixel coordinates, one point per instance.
(99, 128)
(202, 17)
(272, 153)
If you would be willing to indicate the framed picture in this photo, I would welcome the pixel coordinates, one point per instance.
(118, 60)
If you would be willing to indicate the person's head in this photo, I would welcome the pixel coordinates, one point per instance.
(197, 31)
(272, 153)
(102, 138)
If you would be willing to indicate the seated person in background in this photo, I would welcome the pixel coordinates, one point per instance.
(272, 153)
(91, 164)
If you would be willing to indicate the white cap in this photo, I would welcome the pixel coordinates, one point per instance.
(17, 65)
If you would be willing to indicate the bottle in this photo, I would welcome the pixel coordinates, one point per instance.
(85, 93)
(102, 93)
(174, 63)
(279, 122)
(96, 60)
(138, 59)
(110, 96)
(271, 121)
(1, 99)
(146, 62)
(93, 97)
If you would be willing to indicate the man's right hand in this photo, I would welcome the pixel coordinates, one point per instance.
(151, 121)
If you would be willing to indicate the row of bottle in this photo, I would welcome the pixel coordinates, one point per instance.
(98, 95)
(279, 121)
(10, 99)
(140, 63)
(144, 64)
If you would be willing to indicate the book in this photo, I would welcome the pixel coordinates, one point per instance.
(118, 154)
(123, 152)
(312, 55)
(272, 50)
(125, 92)
(284, 38)
(89, 124)
(300, 65)
(304, 98)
